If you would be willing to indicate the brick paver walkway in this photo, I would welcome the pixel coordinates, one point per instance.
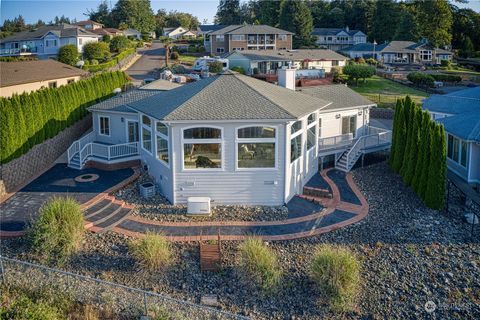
(346, 207)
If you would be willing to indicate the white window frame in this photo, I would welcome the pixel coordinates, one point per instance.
(203, 141)
(292, 136)
(149, 128)
(282, 37)
(241, 37)
(126, 128)
(459, 150)
(165, 137)
(313, 124)
(100, 126)
(256, 140)
(428, 53)
(220, 38)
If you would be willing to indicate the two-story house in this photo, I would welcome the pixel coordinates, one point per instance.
(249, 37)
(204, 30)
(45, 41)
(338, 38)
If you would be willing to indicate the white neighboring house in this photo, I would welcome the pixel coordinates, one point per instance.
(132, 33)
(177, 33)
(459, 112)
(338, 38)
(45, 41)
(233, 138)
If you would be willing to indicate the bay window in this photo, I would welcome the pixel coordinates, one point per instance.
(162, 142)
(311, 131)
(202, 148)
(256, 147)
(147, 134)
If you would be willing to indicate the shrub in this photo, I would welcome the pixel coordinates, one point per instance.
(178, 69)
(446, 77)
(336, 270)
(106, 38)
(371, 61)
(25, 308)
(215, 66)
(68, 54)
(174, 55)
(258, 264)
(238, 69)
(96, 50)
(421, 79)
(447, 64)
(93, 62)
(59, 229)
(119, 44)
(360, 60)
(152, 252)
(358, 71)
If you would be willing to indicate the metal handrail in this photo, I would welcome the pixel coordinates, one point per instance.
(335, 141)
(109, 152)
(383, 136)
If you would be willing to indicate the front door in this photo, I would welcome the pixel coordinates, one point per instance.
(132, 131)
(349, 125)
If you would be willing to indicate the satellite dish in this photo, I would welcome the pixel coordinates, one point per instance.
(80, 63)
(117, 90)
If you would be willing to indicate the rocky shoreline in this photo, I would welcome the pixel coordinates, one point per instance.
(409, 255)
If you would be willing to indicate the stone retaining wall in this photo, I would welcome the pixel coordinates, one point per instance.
(19, 171)
(382, 113)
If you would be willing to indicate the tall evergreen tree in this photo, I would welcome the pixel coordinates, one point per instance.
(136, 14)
(385, 16)
(267, 11)
(434, 20)
(413, 151)
(434, 196)
(409, 119)
(401, 137)
(228, 12)
(296, 17)
(101, 15)
(406, 27)
(394, 132)
(423, 183)
(423, 155)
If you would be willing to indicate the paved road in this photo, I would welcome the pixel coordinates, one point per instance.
(152, 58)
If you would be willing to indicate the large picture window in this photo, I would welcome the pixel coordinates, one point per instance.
(296, 141)
(147, 134)
(256, 147)
(457, 150)
(202, 148)
(311, 131)
(162, 142)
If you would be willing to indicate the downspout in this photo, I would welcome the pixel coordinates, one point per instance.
(286, 168)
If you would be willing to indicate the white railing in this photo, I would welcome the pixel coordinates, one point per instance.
(378, 138)
(78, 145)
(339, 141)
(108, 152)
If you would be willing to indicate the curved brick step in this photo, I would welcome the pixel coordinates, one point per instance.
(105, 214)
(97, 208)
(112, 221)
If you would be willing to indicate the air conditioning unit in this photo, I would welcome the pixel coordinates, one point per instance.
(198, 205)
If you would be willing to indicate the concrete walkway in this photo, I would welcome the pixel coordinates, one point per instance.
(346, 207)
(152, 59)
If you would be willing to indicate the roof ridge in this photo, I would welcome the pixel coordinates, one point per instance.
(254, 89)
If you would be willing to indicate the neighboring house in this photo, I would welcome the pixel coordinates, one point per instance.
(338, 38)
(89, 25)
(268, 61)
(204, 31)
(401, 52)
(249, 37)
(112, 32)
(230, 137)
(45, 41)
(179, 32)
(132, 33)
(459, 112)
(27, 76)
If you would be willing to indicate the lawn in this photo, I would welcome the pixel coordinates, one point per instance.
(188, 60)
(385, 92)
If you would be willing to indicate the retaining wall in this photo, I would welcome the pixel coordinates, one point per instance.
(17, 172)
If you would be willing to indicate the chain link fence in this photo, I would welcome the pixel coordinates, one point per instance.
(127, 302)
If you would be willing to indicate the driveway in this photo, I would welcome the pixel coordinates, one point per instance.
(152, 58)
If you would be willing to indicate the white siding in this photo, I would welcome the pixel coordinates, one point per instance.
(230, 185)
(331, 126)
(118, 129)
(474, 163)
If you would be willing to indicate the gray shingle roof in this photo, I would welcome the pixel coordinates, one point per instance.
(292, 55)
(228, 97)
(119, 102)
(61, 30)
(250, 29)
(160, 84)
(365, 47)
(464, 109)
(210, 27)
(332, 31)
(342, 97)
(21, 72)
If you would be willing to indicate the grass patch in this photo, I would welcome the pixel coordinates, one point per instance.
(58, 232)
(385, 92)
(336, 271)
(258, 264)
(186, 59)
(153, 251)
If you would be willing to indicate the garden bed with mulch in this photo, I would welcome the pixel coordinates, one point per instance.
(409, 255)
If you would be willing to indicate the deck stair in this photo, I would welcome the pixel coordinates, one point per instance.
(105, 213)
(210, 255)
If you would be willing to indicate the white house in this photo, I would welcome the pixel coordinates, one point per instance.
(45, 41)
(230, 137)
(132, 33)
(338, 38)
(178, 32)
(459, 112)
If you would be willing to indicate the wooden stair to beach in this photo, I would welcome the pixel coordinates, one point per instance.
(210, 256)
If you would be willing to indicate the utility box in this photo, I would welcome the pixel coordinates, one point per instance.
(198, 206)
(147, 189)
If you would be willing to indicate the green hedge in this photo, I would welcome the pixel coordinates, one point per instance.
(418, 152)
(446, 77)
(421, 79)
(111, 63)
(31, 118)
